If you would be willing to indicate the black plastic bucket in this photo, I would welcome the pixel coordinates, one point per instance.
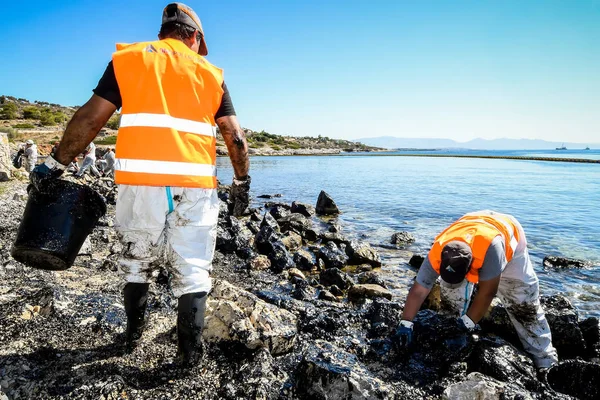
(56, 222)
(576, 378)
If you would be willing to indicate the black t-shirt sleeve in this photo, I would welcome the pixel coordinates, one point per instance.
(108, 87)
(226, 108)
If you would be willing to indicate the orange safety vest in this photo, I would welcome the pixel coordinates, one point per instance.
(167, 135)
(478, 231)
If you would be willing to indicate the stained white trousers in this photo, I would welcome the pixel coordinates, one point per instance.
(171, 227)
(522, 302)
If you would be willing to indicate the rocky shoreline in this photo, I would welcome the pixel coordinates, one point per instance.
(297, 311)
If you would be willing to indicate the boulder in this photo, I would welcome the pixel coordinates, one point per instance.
(481, 387)
(334, 227)
(270, 221)
(305, 260)
(265, 238)
(292, 241)
(361, 253)
(296, 273)
(310, 235)
(326, 205)
(370, 278)
(268, 196)
(5, 158)
(332, 256)
(235, 315)
(295, 223)
(336, 291)
(368, 291)
(564, 262)
(279, 211)
(328, 372)
(304, 209)
(563, 319)
(576, 378)
(384, 316)
(280, 258)
(402, 238)
(495, 357)
(590, 329)
(416, 260)
(333, 276)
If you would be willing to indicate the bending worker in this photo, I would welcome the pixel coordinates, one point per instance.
(167, 208)
(489, 249)
(30, 155)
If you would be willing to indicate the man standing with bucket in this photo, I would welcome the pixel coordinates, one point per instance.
(489, 249)
(167, 208)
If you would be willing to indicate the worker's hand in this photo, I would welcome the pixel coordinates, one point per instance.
(239, 196)
(403, 336)
(466, 324)
(50, 169)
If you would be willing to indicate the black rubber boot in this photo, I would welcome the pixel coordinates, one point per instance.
(136, 300)
(190, 322)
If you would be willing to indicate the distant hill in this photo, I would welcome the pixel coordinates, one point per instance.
(392, 142)
(44, 122)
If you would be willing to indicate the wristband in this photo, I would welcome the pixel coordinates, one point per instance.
(51, 163)
(406, 324)
(468, 321)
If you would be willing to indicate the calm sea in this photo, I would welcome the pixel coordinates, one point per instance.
(557, 203)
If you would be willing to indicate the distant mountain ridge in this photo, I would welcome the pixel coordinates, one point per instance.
(392, 142)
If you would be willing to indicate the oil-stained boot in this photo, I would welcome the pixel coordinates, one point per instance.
(190, 322)
(136, 300)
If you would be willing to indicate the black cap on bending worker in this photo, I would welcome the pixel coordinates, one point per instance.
(456, 261)
(179, 12)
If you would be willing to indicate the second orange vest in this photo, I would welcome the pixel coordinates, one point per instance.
(478, 231)
(167, 135)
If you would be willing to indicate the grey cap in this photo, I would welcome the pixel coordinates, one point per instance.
(179, 12)
(456, 261)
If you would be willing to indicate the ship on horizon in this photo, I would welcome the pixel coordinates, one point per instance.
(561, 147)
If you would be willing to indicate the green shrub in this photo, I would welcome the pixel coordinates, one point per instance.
(106, 140)
(31, 112)
(114, 122)
(47, 119)
(8, 111)
(25, 125)
(275, 147)
(293, 145)
(59, 117)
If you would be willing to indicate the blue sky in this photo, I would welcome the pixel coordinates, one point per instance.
(344, 69)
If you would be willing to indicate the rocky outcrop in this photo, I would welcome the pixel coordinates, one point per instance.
(360, 292)
(564, 262)
(576, 378)
(326, 205)
(416, 260)
(328, 372)
(234, 315)
(333, 256)
(301, 208)
(590, 329)
(362, 253)
(335, 277)
(402, 238)
(5, 159)
(563, 319)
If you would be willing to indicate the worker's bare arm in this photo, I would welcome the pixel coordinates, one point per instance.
(83, 128)
(482, 300)
(416, 296)
(235, 139)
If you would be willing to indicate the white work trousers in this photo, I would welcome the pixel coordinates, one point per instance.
(168, 226)
(29, 164)
(88, 163)
(522, 302)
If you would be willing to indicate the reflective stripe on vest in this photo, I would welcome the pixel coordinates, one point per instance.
(478, 231)
(167, 134)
